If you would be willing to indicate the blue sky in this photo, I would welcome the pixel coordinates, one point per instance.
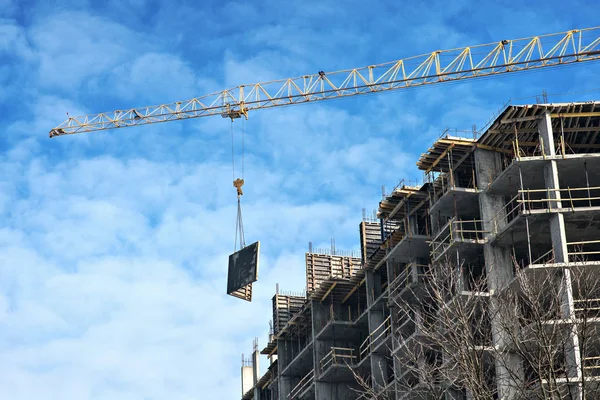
(114, 245)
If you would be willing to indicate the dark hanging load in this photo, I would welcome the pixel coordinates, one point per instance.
(243, 271)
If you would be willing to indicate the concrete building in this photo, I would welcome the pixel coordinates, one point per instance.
(519, 202)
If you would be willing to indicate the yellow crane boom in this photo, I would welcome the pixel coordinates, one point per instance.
(436, 67)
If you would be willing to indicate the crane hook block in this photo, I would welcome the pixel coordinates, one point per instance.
(238, 183)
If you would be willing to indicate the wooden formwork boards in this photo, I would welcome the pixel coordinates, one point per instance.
(576, 124)
(370, 239)
(402, 202)
(284, 307)
(446, 153)
(322, 267)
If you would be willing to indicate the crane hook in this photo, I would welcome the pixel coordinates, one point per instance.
(238, 183)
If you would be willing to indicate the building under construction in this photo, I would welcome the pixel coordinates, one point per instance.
(520, 202)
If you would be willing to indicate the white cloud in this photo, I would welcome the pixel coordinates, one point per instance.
(74, 46)
(153, 77)
(114, 245)
(13, 40)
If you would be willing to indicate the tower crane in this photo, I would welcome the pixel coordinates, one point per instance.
(440, 66)
(505, 56)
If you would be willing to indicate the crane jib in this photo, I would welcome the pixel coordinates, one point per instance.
(440, 66)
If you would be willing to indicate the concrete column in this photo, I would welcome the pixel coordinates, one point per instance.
(286, 383)
(557, 222)
(375, 318)
(559, 244)
(546, 134)
(378, 361)
(256, 369)
(559, 238)
(246, 378)
(320, 348)
(281, 363)
(379, 371)
(319, 313)
(572, 352)
(285, 356)
(488, 166)
(499, 267)
(498, 261)
(413, 225)
(339, 390)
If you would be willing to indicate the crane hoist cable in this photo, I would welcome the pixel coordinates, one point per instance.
(238, 183)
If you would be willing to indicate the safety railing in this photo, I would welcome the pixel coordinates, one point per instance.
(588, 250)
(338, 356)
(591, 365)
(587, 308)
(506, 214)
(546, 258)
(553, 199)
(304, 383)
(412, 324)
(408, 276)
(348, 313)
(405, 322)
(531, 200)
(456, 231)
(581, 251)
(375, 338)
(446, 181)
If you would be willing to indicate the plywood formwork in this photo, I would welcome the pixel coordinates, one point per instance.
(403, 202)
(396, 211)
(446, 153)
(322, 267)
(515, 131)
(284, 307)
(298, 323)
(370, 239)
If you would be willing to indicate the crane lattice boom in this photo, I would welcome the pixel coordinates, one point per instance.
(436, 67)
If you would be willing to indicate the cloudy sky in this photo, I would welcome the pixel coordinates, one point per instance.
(114, 245)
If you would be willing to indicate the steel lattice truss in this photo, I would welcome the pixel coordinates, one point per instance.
(436, 67)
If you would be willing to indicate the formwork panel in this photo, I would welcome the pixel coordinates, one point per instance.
(284, 307)
(321, 267)
(370, 239)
